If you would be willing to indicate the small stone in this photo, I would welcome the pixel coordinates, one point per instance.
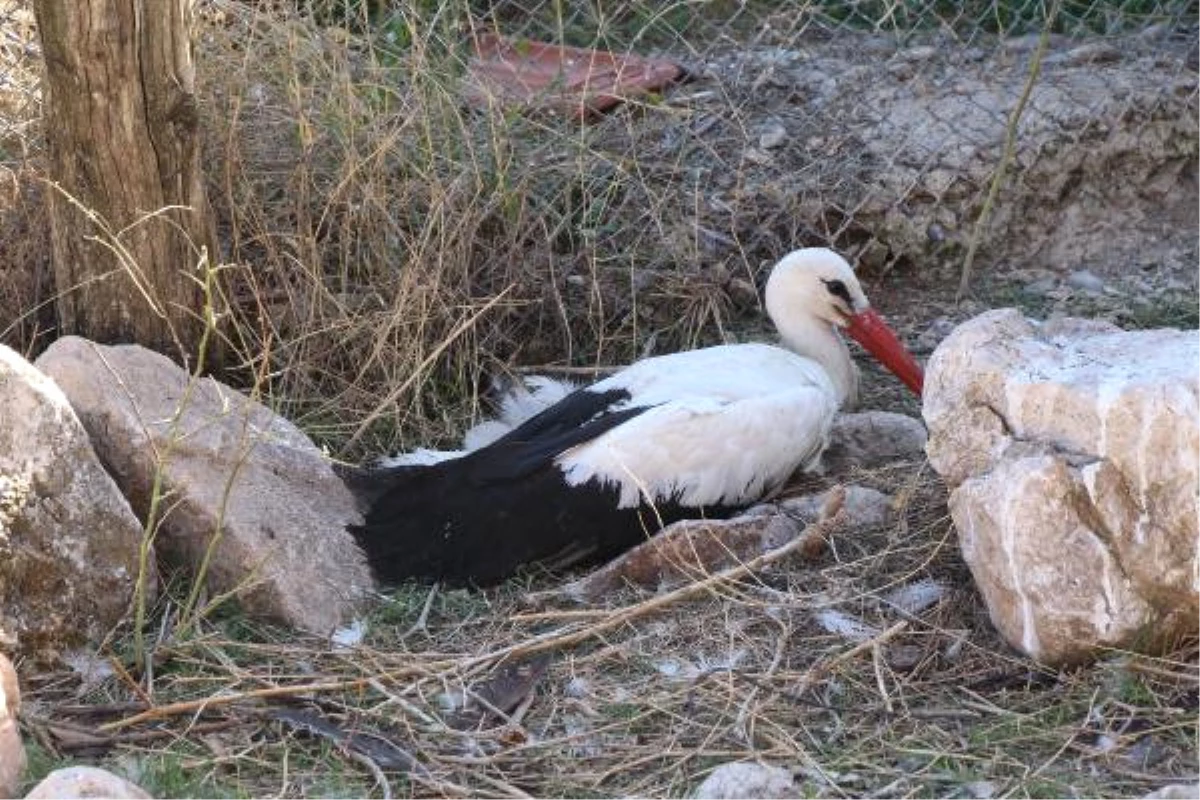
(1175, 791)
(904, 657)
(938, 330)
(773, 135)
(82, 783)
(1086, 280)
(871, 438)
(1040, 288)
(979, 790)
(1091, 53)
(864, 507)
(920, 53)
(738, 780)
(756, 156)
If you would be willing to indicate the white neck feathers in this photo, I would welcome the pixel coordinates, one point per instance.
(817, 339)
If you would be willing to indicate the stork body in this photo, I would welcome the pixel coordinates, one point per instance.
(691, 434)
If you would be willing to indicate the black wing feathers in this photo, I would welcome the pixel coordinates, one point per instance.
(477, 518)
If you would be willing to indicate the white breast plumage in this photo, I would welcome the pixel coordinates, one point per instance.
(724, 426)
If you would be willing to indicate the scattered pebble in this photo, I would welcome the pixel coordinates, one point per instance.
(980, 790)
(903, 657)
(773, 135)
(1086, 280)
(756, 156)
(1091, 53)
(919, 53)
(1175, 791)
(737, 780)
(1041, 287)
(929, 338)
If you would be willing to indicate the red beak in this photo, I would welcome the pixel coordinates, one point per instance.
(868, 329)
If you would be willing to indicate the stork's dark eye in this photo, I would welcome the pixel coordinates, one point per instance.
(839, 290)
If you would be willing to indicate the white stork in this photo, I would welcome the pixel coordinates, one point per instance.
(697, 433)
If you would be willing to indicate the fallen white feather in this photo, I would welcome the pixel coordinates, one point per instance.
(913, 598)
(846, 625)
(349, 636)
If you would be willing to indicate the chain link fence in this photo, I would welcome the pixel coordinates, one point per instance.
(878, 126)
(372, 205)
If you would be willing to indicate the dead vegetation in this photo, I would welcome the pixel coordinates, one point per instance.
(867, 671)
(389, 248)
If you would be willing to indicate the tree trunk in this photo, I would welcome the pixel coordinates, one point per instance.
(132, 232)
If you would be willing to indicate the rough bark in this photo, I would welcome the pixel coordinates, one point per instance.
(131, 228)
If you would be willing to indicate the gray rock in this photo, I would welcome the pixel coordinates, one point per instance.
(1175, 791)
(869, 439)
(864, 507)
(914, 54)
(1071, 450)
(69, 543)
(80, 783)
(240, 480)
(1086, 280)
(1085, 54)
(737, 780)
(773, 135)
(1041, 287)
(932, 336)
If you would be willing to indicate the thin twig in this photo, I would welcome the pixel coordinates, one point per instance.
(423, 618)
(380, 779)
(831, 518)
(1010, 146)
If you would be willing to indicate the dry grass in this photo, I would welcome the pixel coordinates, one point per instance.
(387, 250)
(394, 239)
(643, 697)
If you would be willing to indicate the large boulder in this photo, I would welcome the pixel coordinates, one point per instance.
(69, 543)
(244, 492)
(12, 750)
(1071, 450)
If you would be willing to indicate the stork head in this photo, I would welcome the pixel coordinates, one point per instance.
(813, 290)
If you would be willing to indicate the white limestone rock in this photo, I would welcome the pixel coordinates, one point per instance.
(83, 783)
(1174, 791)
(1071, 449)
(12, 750)
(739, 779)
(232, 469)
(69, 543)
